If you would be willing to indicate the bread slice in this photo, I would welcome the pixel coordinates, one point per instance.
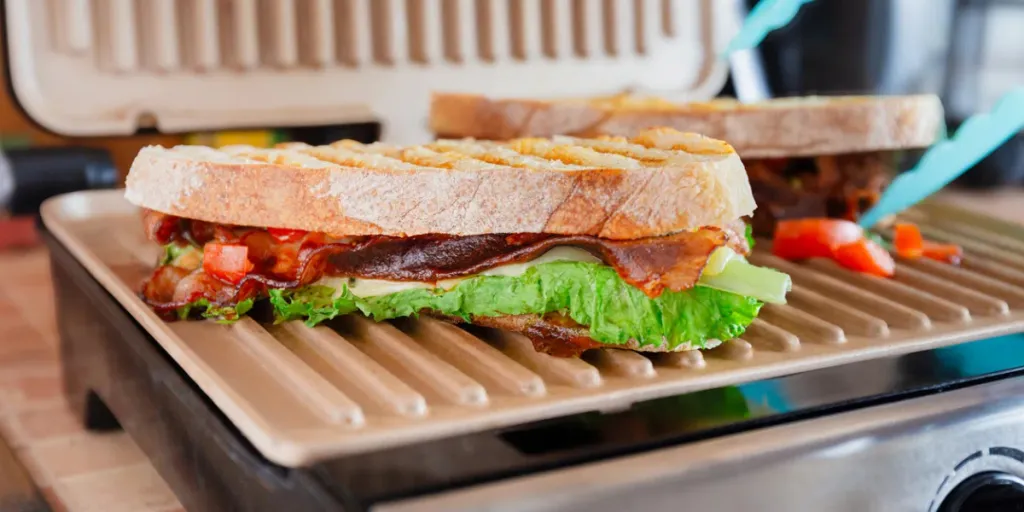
(787, 127)
(659, 182)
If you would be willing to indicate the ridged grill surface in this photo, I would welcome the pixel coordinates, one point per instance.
(301, 394)
(195, 65)
(174, 35)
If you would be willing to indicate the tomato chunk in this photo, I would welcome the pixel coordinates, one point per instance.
(867, 257)
(946, 253)
(908, 240)
(813, 238)
(227, 262)
(286, 235)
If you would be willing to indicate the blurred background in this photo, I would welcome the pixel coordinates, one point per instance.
(969, 52)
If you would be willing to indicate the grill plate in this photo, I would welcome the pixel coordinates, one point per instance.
(301, 395)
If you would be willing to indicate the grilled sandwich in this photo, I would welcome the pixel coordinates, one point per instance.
(577, 243)
(807, 157)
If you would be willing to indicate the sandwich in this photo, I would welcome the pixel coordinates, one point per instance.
(806, 157)
(576, 243)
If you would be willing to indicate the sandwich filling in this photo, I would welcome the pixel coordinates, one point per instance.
(566, 293)
(839, 186)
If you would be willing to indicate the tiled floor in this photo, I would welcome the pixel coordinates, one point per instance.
(76, 470)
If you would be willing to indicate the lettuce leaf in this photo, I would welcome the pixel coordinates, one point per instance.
(748, 232)
(171, 253)
(186, 256)
(591, 294)
(222, 314)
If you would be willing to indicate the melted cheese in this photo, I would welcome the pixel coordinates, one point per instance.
(718, 260)
(377, 287)
(555, 254)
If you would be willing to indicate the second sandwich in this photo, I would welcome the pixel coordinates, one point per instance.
(806, 157)
(576, 243)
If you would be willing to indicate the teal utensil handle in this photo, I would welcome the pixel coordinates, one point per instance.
(945, 161)
(766, 16)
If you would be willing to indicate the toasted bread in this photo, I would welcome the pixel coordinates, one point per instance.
(659, 182)
(787, 127)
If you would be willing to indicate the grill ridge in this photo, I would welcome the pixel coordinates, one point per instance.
(203, 35)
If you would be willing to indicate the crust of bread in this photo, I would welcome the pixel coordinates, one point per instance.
(609, 203)
(788, 127)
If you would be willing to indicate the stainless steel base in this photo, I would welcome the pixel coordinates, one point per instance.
(907, 455)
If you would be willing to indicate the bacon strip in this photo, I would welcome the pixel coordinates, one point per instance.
(652, 265)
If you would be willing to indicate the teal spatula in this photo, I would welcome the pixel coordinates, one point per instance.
(766, 16)
(945, 161)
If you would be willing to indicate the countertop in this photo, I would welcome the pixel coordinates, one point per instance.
(83, 471)
(77, 471)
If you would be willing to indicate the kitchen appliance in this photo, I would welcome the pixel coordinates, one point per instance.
(861, 394)
(29, 176)
(857, 391)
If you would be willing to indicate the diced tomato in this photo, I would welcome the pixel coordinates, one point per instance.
(227, 262)
(799, 239)
(867, 257)
(908, 240)
(946, 253)
(286, 235)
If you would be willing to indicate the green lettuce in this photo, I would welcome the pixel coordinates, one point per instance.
(591, 294)
(173, 252)
(222, 314)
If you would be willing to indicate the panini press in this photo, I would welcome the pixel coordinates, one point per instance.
(861, 394)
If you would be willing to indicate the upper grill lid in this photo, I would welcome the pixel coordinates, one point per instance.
(109, 67)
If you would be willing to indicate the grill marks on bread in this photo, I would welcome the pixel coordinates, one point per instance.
(781, 127)
(655, 184)
(651, 148)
